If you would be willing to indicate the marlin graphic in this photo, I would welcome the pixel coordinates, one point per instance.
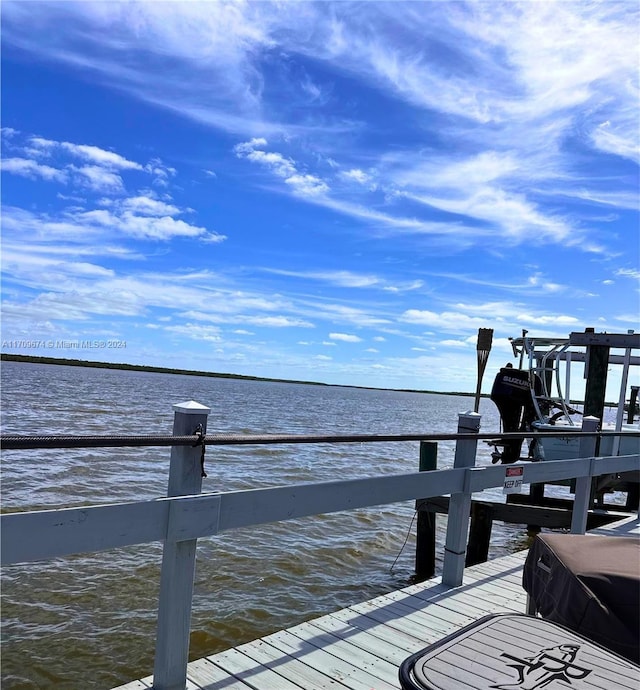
(553, 663)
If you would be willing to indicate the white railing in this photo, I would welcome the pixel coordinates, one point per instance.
(186, 515)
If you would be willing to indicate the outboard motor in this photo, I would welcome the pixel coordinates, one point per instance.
(511, 393)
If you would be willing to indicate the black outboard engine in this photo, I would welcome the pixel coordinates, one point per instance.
(511, 393)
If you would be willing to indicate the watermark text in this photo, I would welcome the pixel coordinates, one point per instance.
(38, 344)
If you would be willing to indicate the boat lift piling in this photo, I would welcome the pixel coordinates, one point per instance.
(596, 376)
(633, 404)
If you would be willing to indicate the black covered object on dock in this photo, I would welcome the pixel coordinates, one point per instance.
(590, 584)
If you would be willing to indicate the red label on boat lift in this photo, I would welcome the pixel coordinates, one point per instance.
(513, 480)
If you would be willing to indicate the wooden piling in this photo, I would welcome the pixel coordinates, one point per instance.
(633, 402)
(426, 521)
(596, 382)
(479, 533)
(536, 491)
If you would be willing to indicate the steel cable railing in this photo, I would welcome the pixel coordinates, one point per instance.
(19, 442)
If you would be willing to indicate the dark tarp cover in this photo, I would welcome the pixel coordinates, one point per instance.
(590, 584)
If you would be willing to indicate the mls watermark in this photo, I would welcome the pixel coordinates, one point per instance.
(35, 344)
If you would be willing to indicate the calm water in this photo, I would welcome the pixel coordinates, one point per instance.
(89, 621)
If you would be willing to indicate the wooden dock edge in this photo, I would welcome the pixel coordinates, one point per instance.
(361, 646)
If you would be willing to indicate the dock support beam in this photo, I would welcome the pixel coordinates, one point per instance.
(179, 557)
(460, 504)
(426, 524)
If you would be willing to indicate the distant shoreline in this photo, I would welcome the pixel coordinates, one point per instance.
(31, 359)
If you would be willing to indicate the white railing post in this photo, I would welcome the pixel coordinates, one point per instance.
(178, 557)
(582, 494)
(460, 504)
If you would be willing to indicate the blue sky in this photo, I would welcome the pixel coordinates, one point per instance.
(336, 192)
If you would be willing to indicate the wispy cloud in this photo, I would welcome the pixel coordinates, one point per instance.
(345, 337)
(303, 184)
(138, 216)
(32, 169)
(98, 156)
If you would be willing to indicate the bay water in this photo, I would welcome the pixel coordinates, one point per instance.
(88, 621)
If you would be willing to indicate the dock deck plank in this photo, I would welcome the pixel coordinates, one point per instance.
(360, 647)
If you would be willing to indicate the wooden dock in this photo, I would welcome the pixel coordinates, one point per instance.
(362, 646)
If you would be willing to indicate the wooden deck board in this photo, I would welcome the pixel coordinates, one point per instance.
(360, 647)
(245, 669)
(272, 657)
(332, 660)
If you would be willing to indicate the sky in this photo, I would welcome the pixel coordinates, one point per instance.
(333, 192)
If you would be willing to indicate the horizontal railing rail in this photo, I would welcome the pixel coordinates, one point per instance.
(66, 531)
(186, 514)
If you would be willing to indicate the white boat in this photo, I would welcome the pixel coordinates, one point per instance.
(536, 396)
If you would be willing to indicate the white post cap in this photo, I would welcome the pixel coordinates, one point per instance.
(191, 407)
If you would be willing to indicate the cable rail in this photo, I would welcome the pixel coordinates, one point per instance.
(19, 442)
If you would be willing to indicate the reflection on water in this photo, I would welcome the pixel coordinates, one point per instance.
(88, 621)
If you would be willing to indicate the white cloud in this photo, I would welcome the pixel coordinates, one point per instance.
(140, 216)
(303, 184)
(150, 207)
(445, 321)
(82, 268)
(617, 141)
(276, 321)
(356, 175)
(349, 315)
(307, 185)
(404, 287)
(453, 343)
(196, 332)
(549, 320)
(633, 273)
(345, 337)
(100, 226)
(348, 279)
(98, 179)
(98, 156)
(276, 162)
(33, 170)
(161, 173)
(101, 172)
(157, 228)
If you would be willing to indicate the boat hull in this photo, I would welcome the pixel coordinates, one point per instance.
(568, 447)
